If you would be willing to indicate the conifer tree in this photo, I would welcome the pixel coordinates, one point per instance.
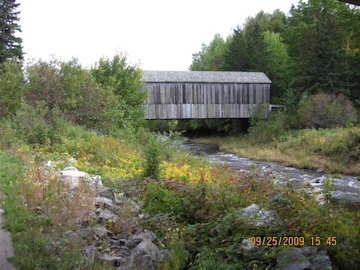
(10, 44)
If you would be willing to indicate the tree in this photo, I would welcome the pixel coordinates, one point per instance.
(124, 80)
(245, 51)
(11, 88)
(10, 45)
(211, 56)
(278, 64)
(67, 88)
(319, 35)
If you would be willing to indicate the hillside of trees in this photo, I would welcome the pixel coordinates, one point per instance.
(314, 49)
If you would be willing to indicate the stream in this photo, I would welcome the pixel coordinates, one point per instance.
(346, 187)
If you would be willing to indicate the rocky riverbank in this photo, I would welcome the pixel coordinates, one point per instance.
(110, 232)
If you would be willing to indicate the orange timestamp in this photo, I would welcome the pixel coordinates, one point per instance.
(292, 241)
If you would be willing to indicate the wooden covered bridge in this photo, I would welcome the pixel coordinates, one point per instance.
(204, 94)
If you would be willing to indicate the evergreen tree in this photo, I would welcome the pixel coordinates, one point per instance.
(245, 51)
(10, 45)
(319, 35)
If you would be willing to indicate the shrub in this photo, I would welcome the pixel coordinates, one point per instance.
(263, 130)
(30, 123)
(11, 87)
(152, 154)
(324, 110)
(124, 81)
(67, 87)
(8, 136)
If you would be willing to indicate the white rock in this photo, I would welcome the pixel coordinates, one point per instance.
(72, 176)
(70, 168)
(259, 217)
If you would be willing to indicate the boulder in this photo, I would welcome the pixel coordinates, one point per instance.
(106, 215)
(101, 232)
(95, 181)
(298, 183)
(113, 259)
(104, 203)
(102, 191)
(305, 258)
(253, 214)
(293, 259)
(147, 235)
(72, 176)
(165, 255)
(318, 257)
(145, 256)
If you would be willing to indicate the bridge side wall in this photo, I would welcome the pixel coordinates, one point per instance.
(204, 100)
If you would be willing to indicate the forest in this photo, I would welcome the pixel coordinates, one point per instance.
(90, 184)
(310, 54)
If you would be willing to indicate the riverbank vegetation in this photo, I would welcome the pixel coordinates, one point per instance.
(57, 114)
(195, 208)
(334, 150)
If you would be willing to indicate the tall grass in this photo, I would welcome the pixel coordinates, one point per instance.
(333, 150)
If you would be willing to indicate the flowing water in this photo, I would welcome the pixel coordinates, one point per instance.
(346, 187)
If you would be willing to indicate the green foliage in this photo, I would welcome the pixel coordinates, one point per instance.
(278, 65)
(10, 45)
(324, 111)
(31, 125)
(8, 137)
(246, 50)
(267, 130)
(67, 87)
(162, 125)
(214, 229)
(314, 49)
(11, 88)
(318, 34)
(211, 56)
(328, 188)
(67, 91)
(30, 232)
(124, 81)
(339, 145)
(153, 154)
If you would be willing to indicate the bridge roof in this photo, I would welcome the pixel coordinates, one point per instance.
(206, 76)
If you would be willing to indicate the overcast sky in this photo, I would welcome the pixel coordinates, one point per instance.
(157, 34)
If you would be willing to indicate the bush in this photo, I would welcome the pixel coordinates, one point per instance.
(30, 123)
(11, 88)
(106, 99)
(153, 154)
(264, 130)
(123, 80)
(67, 87)
(324, 111)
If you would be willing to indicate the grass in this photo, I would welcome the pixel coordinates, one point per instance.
(36, 216)
(334, 150)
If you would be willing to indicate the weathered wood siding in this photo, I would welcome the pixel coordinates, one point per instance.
(183, 100)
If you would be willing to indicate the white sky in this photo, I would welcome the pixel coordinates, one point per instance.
(157, 34)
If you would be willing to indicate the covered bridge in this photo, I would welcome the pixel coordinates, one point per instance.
(204, 94)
